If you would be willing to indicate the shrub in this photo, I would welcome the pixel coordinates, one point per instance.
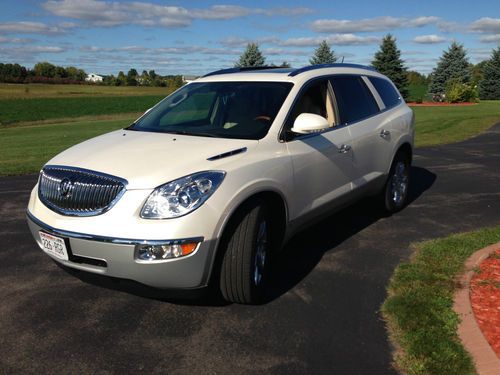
(458, 92)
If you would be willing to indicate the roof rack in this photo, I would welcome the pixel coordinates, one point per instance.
(336, 65)
(240, 69)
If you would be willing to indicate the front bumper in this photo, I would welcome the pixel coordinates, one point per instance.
(115, 257)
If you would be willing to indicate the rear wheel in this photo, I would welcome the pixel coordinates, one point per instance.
(395, 194)
(246, 255)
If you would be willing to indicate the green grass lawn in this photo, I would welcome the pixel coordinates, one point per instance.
(25, 149)
(37, 109)
(442, 125)
(419, 308)
(37, 90)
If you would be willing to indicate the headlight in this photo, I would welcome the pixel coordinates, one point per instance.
(180, 197)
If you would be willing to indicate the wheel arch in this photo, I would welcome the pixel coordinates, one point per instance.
(278, 209)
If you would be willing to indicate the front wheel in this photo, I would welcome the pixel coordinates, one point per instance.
(395, 194)
(246, 256)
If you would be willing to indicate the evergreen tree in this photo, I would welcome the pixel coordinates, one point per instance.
(251, 57)
(323, 55)
(489, 87)
(453, 65)
(388, 62)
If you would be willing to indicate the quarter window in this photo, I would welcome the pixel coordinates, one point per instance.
(354, 99)
(386, 90)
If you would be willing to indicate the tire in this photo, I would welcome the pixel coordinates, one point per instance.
(246, 256)
(395, 193)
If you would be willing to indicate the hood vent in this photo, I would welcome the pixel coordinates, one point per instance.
(227, 154)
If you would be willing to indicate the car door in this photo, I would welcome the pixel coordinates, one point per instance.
(370, 137)
(322, 162)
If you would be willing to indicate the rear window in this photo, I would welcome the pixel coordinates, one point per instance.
(386, 90)
(355, 101)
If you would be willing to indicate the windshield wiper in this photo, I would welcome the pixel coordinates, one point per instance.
(186, 132)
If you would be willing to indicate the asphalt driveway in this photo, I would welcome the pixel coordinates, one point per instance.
(323, 310)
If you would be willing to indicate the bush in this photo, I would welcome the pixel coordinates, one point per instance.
(458, 92)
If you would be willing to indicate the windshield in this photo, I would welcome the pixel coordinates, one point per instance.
(218, 109)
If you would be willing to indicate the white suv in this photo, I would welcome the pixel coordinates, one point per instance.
(209, 183)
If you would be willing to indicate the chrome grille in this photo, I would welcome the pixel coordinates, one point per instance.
(78, 192)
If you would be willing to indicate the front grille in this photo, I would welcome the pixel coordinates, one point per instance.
(78, 192)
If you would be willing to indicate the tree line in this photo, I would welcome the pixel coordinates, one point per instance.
(45, 72)
(454, 78)
(42, 72)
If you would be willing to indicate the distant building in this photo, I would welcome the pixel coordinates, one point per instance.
(92, 77)
(188, 79)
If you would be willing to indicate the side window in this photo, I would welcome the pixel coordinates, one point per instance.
(386, 90)
(354, 100)
(315, 99)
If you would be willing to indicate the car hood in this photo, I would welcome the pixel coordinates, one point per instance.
(147, 160)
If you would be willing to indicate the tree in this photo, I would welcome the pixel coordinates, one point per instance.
(251, 57)
(477, 72)
(388, 62)
(323, 55)
(489, 87)
(132, 77)
(453, 64)
(45, 69)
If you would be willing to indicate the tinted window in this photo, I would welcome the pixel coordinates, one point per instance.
(386, 90)
(354, 99)
(218, 109)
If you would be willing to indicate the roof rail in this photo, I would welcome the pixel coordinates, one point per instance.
(240, 69)
(336, 65)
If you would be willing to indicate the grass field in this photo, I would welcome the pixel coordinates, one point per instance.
(419, 307)
(442, 125)
(50, 118)
(25, 149)
(37, 109)
(30, 91)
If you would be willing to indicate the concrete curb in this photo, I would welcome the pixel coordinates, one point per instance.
(485, 359)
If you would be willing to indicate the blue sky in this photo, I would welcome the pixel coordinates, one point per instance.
(195, 37)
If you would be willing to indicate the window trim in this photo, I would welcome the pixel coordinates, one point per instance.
(400, 97)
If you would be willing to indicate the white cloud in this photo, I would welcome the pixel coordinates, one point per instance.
(370, 24)
(495, 38)
(429, 39)
(486, 25)
(334, 39)
(108, 14)
(25, 27)
(15, 40)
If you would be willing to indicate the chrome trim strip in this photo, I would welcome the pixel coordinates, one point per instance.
(227, 154)
(121, 241)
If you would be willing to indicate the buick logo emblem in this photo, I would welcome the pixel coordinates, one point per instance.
(65, 187)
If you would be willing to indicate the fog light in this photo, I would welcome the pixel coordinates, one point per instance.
(162, 252)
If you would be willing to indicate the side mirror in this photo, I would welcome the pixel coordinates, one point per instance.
(306, 123)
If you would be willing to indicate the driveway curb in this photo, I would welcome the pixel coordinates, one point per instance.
(472, 337)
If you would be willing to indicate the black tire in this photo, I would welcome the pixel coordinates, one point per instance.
(242, 257)
(395, 194)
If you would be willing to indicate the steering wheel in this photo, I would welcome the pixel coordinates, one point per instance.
(262, 118)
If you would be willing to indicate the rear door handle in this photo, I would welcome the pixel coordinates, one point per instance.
(384, 133)
(344, 149)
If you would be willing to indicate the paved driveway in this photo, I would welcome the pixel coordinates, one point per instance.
(323, 315)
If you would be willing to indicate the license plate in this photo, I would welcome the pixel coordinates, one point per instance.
(54, 246)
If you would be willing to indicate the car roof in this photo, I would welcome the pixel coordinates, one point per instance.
(286, 74)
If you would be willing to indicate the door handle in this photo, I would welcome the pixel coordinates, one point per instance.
(344, 149)
(384, 133)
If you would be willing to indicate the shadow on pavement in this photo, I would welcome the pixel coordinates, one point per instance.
(299, 257)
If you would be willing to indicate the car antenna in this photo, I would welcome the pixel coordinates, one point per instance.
(342, 59)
